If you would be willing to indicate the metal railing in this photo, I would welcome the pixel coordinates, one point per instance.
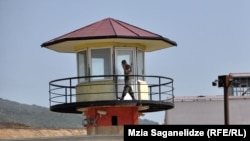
(63, 91)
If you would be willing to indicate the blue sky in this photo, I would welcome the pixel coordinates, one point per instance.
(212, 37)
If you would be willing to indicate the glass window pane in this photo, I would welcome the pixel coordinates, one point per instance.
(100, 62)
(140, 61)
(82, 65)
(124, 55)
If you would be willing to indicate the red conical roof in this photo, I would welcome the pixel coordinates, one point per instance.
(108, 28)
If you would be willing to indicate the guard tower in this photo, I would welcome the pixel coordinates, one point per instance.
(240, 84)
(95, 92)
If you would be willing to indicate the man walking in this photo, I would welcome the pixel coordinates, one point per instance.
(127, 88)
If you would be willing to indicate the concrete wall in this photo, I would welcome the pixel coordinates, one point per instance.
(95, 91)
(208, 110)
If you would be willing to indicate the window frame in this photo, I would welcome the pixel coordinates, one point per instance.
(91, 67)
(85, 65)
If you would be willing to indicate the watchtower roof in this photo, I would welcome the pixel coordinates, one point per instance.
(110, 28)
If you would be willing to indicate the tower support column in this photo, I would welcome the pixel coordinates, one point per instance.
(109, 120)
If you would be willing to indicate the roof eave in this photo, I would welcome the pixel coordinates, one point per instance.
(49, 43)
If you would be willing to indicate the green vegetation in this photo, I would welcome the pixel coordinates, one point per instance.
(37, 116)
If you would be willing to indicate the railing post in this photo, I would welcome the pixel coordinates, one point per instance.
(66, 95)
(172, 91)
(116, 85)
(49, 95)
(70, 90)
(150, 93)
(159, 88)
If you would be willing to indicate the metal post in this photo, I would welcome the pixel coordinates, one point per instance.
(150, 88)
(159, 89)
(225, 82)
(66, 95)
(50, 96)
(226, 108)
(70, 93)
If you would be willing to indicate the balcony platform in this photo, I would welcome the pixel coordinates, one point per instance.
(153, 106)
(153, 94)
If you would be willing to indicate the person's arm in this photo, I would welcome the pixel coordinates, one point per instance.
(127, 69)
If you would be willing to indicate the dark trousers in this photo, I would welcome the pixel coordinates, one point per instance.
(127, 89)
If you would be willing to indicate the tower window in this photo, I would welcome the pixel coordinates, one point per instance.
(100, 62)
(114, 120)
(82, 65)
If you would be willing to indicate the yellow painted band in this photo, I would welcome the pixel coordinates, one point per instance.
(105, 44)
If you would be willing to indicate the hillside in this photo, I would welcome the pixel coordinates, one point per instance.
(37, 116)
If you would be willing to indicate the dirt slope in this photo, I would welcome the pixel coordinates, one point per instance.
(17, 131)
